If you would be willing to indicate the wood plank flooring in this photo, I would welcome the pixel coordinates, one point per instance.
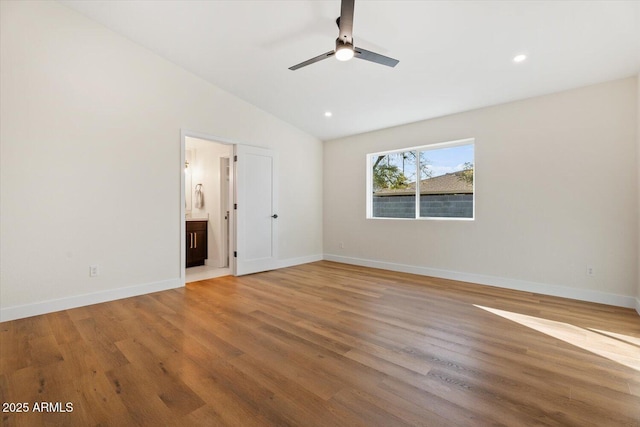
(326, 344)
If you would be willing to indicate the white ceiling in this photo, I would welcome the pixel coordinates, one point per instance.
(454, 55)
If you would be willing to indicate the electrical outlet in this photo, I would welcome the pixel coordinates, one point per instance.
(94, 271)
(590, 271)
(341, 245)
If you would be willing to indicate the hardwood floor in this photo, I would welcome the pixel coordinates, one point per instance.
(326, 344)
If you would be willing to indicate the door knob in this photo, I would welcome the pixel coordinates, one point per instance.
(274, 216)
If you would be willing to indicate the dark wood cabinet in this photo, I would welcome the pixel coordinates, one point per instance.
(196, 243)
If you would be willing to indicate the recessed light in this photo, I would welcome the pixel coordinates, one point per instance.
(519, 58)
(328, 114)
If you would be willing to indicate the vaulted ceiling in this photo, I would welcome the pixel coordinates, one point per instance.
(454, 55)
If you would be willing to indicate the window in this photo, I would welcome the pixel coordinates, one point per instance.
(432, 181)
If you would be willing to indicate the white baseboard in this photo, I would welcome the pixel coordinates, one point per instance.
(50, 306)
(290, 262)
(500, 282)
(43, 307)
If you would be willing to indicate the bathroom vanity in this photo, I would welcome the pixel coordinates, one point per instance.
(196, 242)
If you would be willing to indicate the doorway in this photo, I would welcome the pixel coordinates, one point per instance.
(207, 192)
(240, 218)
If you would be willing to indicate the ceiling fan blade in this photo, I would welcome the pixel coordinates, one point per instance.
(346, 21)
(313, 60)
(374, 57)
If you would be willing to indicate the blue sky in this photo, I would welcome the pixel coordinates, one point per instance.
(451, 159)
(441, 160)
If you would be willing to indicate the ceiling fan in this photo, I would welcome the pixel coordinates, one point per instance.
(345, 49)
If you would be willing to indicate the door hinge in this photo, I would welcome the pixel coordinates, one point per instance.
(235, 254)
(235, 206)
(235, 158)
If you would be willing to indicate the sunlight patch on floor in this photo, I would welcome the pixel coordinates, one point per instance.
(626, 338)
(617, 347)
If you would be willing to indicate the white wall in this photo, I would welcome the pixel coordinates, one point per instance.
(90, 161)
(556, 190)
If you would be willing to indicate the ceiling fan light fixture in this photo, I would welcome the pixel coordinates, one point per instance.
(519, 58)
(344, 51)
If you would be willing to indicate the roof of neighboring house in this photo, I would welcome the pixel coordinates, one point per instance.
(450, 183)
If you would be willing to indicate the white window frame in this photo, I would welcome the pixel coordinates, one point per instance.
(428, 147)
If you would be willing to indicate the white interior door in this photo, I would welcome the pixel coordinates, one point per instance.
(225, 211)
(255, 209)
